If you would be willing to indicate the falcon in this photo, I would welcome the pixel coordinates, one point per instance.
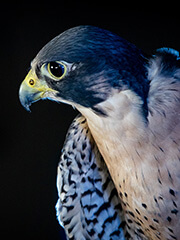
(131, 105)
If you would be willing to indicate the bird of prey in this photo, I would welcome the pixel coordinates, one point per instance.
(131, 105)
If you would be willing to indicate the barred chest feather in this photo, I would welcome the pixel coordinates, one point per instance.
(88, 205)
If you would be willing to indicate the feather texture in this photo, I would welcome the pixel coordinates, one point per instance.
(88, 205)
(131, 107)
(143, 155)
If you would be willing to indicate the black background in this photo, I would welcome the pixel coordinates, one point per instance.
(31, 142)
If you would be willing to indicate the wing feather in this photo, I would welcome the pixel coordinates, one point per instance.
(88, 205)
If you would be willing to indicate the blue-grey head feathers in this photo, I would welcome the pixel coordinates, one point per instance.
(103, 61)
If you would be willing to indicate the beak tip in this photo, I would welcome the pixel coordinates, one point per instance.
(24, 101)
(25, 104)
(27, 108)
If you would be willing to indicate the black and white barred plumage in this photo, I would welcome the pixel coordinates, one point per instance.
(88, 205)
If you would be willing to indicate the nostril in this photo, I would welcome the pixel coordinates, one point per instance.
(31, 82)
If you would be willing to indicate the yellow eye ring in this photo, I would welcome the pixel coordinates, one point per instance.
(57, 70)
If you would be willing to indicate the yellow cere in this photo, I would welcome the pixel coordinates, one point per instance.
(31, 82)
(31, 78)
(38, 84)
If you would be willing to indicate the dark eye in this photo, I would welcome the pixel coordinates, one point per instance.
(56, 69)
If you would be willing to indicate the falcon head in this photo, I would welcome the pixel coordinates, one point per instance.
(85, 66)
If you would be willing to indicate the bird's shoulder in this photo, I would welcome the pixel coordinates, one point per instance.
(165, 62)
(164, 80)
(164, 91)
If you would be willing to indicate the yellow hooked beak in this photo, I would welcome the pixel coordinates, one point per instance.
(32, 89)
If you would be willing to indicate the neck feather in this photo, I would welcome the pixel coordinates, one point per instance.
(124, 118)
